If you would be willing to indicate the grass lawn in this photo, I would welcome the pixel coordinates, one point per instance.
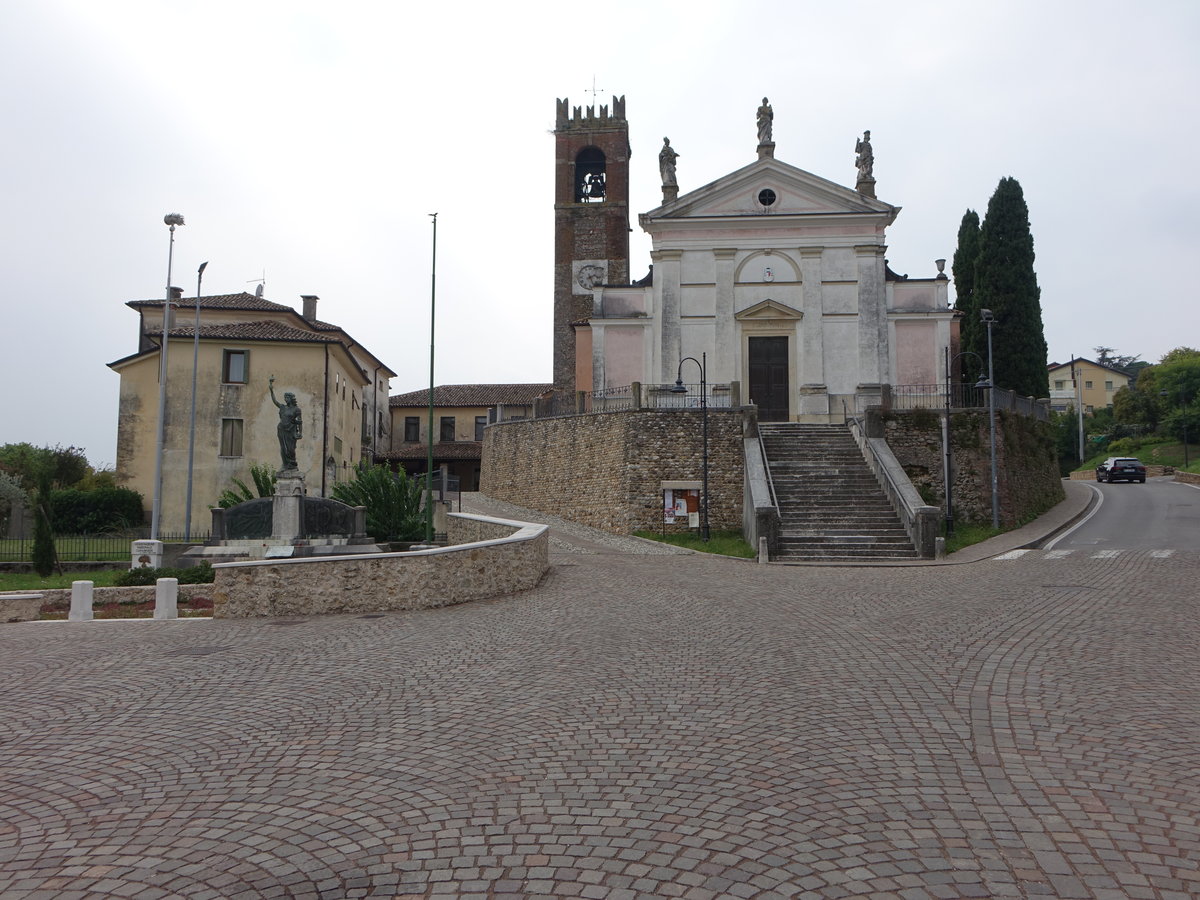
(31, 581)
(723, 543)
(966, 535)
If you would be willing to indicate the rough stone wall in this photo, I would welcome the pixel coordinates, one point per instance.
(605, 470)
(1027, 475)
(384, 582)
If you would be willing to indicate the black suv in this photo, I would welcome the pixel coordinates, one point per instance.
(1121, 468)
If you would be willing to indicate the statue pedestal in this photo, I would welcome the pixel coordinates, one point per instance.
(766, 150)
(287, 510)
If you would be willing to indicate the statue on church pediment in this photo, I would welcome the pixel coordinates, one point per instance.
(666, 163)
(865, 162)
(766, 117)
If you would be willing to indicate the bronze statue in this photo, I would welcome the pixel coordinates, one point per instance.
(666, 163)
(766, 116)
(289, 429)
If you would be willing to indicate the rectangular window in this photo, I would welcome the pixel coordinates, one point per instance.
(1087, 385)
(412, 429)
(233, 368)
(231, 437)
(480, 423)
(337, 446)
(1108, 385)
(447, 428)
(1059, 385)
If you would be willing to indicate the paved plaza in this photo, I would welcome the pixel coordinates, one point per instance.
(637, 726)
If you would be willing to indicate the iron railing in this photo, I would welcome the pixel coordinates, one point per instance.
(86, 547)
(963, 396)
(664, 396)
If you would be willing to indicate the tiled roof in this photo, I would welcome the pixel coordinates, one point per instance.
(441, 450)
(249, 331)
(219, 301)
(473, 395)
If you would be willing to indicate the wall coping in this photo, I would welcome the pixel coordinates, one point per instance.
(525, 531)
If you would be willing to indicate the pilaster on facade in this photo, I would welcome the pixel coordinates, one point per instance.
(726, 366)
(812, 351)
(872, 315)
(667, 278)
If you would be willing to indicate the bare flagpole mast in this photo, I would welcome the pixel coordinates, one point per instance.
(429, 459)
(171, 220)
(187, 528)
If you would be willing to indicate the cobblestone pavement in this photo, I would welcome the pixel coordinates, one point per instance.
(637, 726)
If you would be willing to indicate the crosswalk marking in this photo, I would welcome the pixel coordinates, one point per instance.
(1098, 554)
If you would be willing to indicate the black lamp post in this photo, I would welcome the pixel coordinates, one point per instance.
(990, 320)
(948, 474)
(680, 388)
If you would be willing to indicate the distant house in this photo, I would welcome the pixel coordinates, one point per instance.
(460, 413)
(341, 389)
(1084, 381)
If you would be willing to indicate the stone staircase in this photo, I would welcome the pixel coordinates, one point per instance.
(830, 505)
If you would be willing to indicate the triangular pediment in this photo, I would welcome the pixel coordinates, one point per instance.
(795, 192)
(769, 311)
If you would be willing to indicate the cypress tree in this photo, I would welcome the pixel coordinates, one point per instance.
(44, 555)
(962, 267)
(1006, 284)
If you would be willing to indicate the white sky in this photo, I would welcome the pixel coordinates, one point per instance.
(310, 141)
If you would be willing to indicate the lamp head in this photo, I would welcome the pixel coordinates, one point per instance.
(986, 315)
(200, 271)
(172, 219)
(983, 381)
(679, 388)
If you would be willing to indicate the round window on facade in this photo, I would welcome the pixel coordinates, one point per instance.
(766, 197)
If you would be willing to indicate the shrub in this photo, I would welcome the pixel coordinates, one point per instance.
(263, 477)
(201, 574)
(95, 512)
(392, 499)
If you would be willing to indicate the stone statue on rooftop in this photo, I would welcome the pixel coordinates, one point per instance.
(289, 429)
(866, 157)
(666, 163)
(766, 116)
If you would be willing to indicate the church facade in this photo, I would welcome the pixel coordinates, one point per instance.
(774, 276)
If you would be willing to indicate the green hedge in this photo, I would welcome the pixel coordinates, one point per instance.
(201, 574)
(95, 512)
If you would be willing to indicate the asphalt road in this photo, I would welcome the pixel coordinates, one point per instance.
(636, 726)
(1161, 514)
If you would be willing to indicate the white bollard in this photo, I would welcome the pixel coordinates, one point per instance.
(81, 601)
(166, 598)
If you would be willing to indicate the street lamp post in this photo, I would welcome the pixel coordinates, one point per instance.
(171, 220)
(948, 475)
(679, 388)
(990, 320)
(187, 528)
(429, 459)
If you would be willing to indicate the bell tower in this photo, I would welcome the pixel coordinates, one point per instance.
(591, 223)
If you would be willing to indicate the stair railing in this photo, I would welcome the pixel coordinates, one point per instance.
(920, 520)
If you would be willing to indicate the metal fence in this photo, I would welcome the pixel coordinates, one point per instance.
(663, 396)
(85, 547)
(963, 396)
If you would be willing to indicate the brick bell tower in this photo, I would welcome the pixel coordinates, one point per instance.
(591, 223)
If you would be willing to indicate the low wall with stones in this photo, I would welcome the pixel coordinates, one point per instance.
(14, 611)
(489, 558)
(606, 470)
(1027, 475)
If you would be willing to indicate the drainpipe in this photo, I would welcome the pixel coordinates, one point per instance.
(325, 425)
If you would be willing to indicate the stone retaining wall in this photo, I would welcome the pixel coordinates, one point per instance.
(606, 470)
(489, 558)
(1028, 478)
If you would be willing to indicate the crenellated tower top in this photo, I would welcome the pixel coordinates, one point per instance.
(589, 120)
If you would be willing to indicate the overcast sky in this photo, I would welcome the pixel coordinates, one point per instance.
(308, 142)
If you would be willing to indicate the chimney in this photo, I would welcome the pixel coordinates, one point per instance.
(310, 307)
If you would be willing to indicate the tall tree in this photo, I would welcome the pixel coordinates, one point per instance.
(962, 267)
(1006, 284)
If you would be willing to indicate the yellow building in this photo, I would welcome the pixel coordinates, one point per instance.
(1084, 381)
(340, 387)
(460, 413)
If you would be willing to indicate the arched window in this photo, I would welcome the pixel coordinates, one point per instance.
(589, 176)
